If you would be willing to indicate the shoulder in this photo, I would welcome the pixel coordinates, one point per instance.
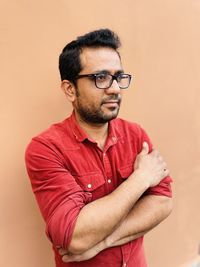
(125, 127)
(52, 138)
(131, 132)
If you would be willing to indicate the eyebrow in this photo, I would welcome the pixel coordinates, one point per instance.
(108, 72)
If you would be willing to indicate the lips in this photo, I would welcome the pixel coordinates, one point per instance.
(111, 104)
(111, 100)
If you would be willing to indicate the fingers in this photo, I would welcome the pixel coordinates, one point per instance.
(145, 149)
(155, 153)
(163, 164)
(62, 251)
(66, 256)
(166, 172)
(69, 258)
(73, 258)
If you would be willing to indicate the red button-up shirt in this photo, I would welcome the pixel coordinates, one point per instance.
(68, 170)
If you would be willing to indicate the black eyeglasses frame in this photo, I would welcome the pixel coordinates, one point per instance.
(114, 77)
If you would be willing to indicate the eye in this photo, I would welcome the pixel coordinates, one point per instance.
(121, 77)
(101, 77)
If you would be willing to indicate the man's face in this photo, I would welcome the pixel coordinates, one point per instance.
(91, 104)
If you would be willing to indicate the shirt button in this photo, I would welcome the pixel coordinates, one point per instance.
(104, 154)
(124, 265)
(109, 181)
(89, 186)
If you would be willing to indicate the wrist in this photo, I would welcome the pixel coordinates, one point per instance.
(141, 178)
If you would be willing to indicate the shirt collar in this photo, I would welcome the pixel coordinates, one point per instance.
(80, 135)
(115, 132)
(78, 132)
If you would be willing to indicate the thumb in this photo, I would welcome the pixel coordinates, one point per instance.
(145, 149)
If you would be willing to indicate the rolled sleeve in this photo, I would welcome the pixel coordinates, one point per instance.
(164, 187)
(59, 197)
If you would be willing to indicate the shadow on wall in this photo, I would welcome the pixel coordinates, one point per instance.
(194, 263)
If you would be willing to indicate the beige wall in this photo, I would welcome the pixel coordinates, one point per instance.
(161, 48)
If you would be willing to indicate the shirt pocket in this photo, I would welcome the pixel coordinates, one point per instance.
(93, 183)
(125, 171)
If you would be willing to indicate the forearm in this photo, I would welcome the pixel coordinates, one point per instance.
(100, 218)
(148, 212)
(97, 220)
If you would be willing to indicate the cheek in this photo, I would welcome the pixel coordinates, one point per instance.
(89, 95)
(92, 99)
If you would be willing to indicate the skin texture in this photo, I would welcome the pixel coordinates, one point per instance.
(134, 226)
(124, 215)
(102, 103)
(91, 99)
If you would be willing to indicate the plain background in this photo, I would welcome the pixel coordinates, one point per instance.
(161, 49)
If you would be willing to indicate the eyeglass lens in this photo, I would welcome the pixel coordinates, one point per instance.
(105, 80)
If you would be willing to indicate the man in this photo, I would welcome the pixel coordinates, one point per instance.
(99, 184)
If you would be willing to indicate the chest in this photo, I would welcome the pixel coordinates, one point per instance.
(100, 172)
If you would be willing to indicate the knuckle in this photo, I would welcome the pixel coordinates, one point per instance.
(156, 152)
(62, 252)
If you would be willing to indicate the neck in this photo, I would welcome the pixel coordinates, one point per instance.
(97, 132)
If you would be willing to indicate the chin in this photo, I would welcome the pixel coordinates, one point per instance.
(111, 116)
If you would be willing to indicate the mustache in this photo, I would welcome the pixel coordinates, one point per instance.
(112, 97)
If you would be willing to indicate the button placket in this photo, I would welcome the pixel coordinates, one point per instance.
(107, 169)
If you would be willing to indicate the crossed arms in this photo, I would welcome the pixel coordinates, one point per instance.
(124, 214)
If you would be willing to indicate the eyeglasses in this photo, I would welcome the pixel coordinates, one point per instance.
(105, 80)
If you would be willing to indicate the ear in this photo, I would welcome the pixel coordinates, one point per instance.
(69, 90)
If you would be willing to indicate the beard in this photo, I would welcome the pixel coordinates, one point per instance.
(96, 114)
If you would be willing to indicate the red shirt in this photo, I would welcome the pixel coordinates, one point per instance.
(68, 170)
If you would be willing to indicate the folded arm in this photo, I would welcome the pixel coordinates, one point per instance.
(90, 228)
(148, 212)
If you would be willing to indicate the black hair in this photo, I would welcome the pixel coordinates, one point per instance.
(69, 60)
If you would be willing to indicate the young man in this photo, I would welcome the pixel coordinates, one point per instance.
(99, 184)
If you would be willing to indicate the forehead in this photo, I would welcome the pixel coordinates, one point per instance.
(97, 59)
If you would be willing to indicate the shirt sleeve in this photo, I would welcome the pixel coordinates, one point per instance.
(164, 187)
(59, 197)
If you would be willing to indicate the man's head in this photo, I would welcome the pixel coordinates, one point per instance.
(92, 75)
(69, 60)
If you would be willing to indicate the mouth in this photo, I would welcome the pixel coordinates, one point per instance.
(111, 103)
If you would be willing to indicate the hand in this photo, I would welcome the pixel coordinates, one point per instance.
(151, 166)
(90, 253)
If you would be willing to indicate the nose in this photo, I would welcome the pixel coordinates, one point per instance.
(114, 88)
